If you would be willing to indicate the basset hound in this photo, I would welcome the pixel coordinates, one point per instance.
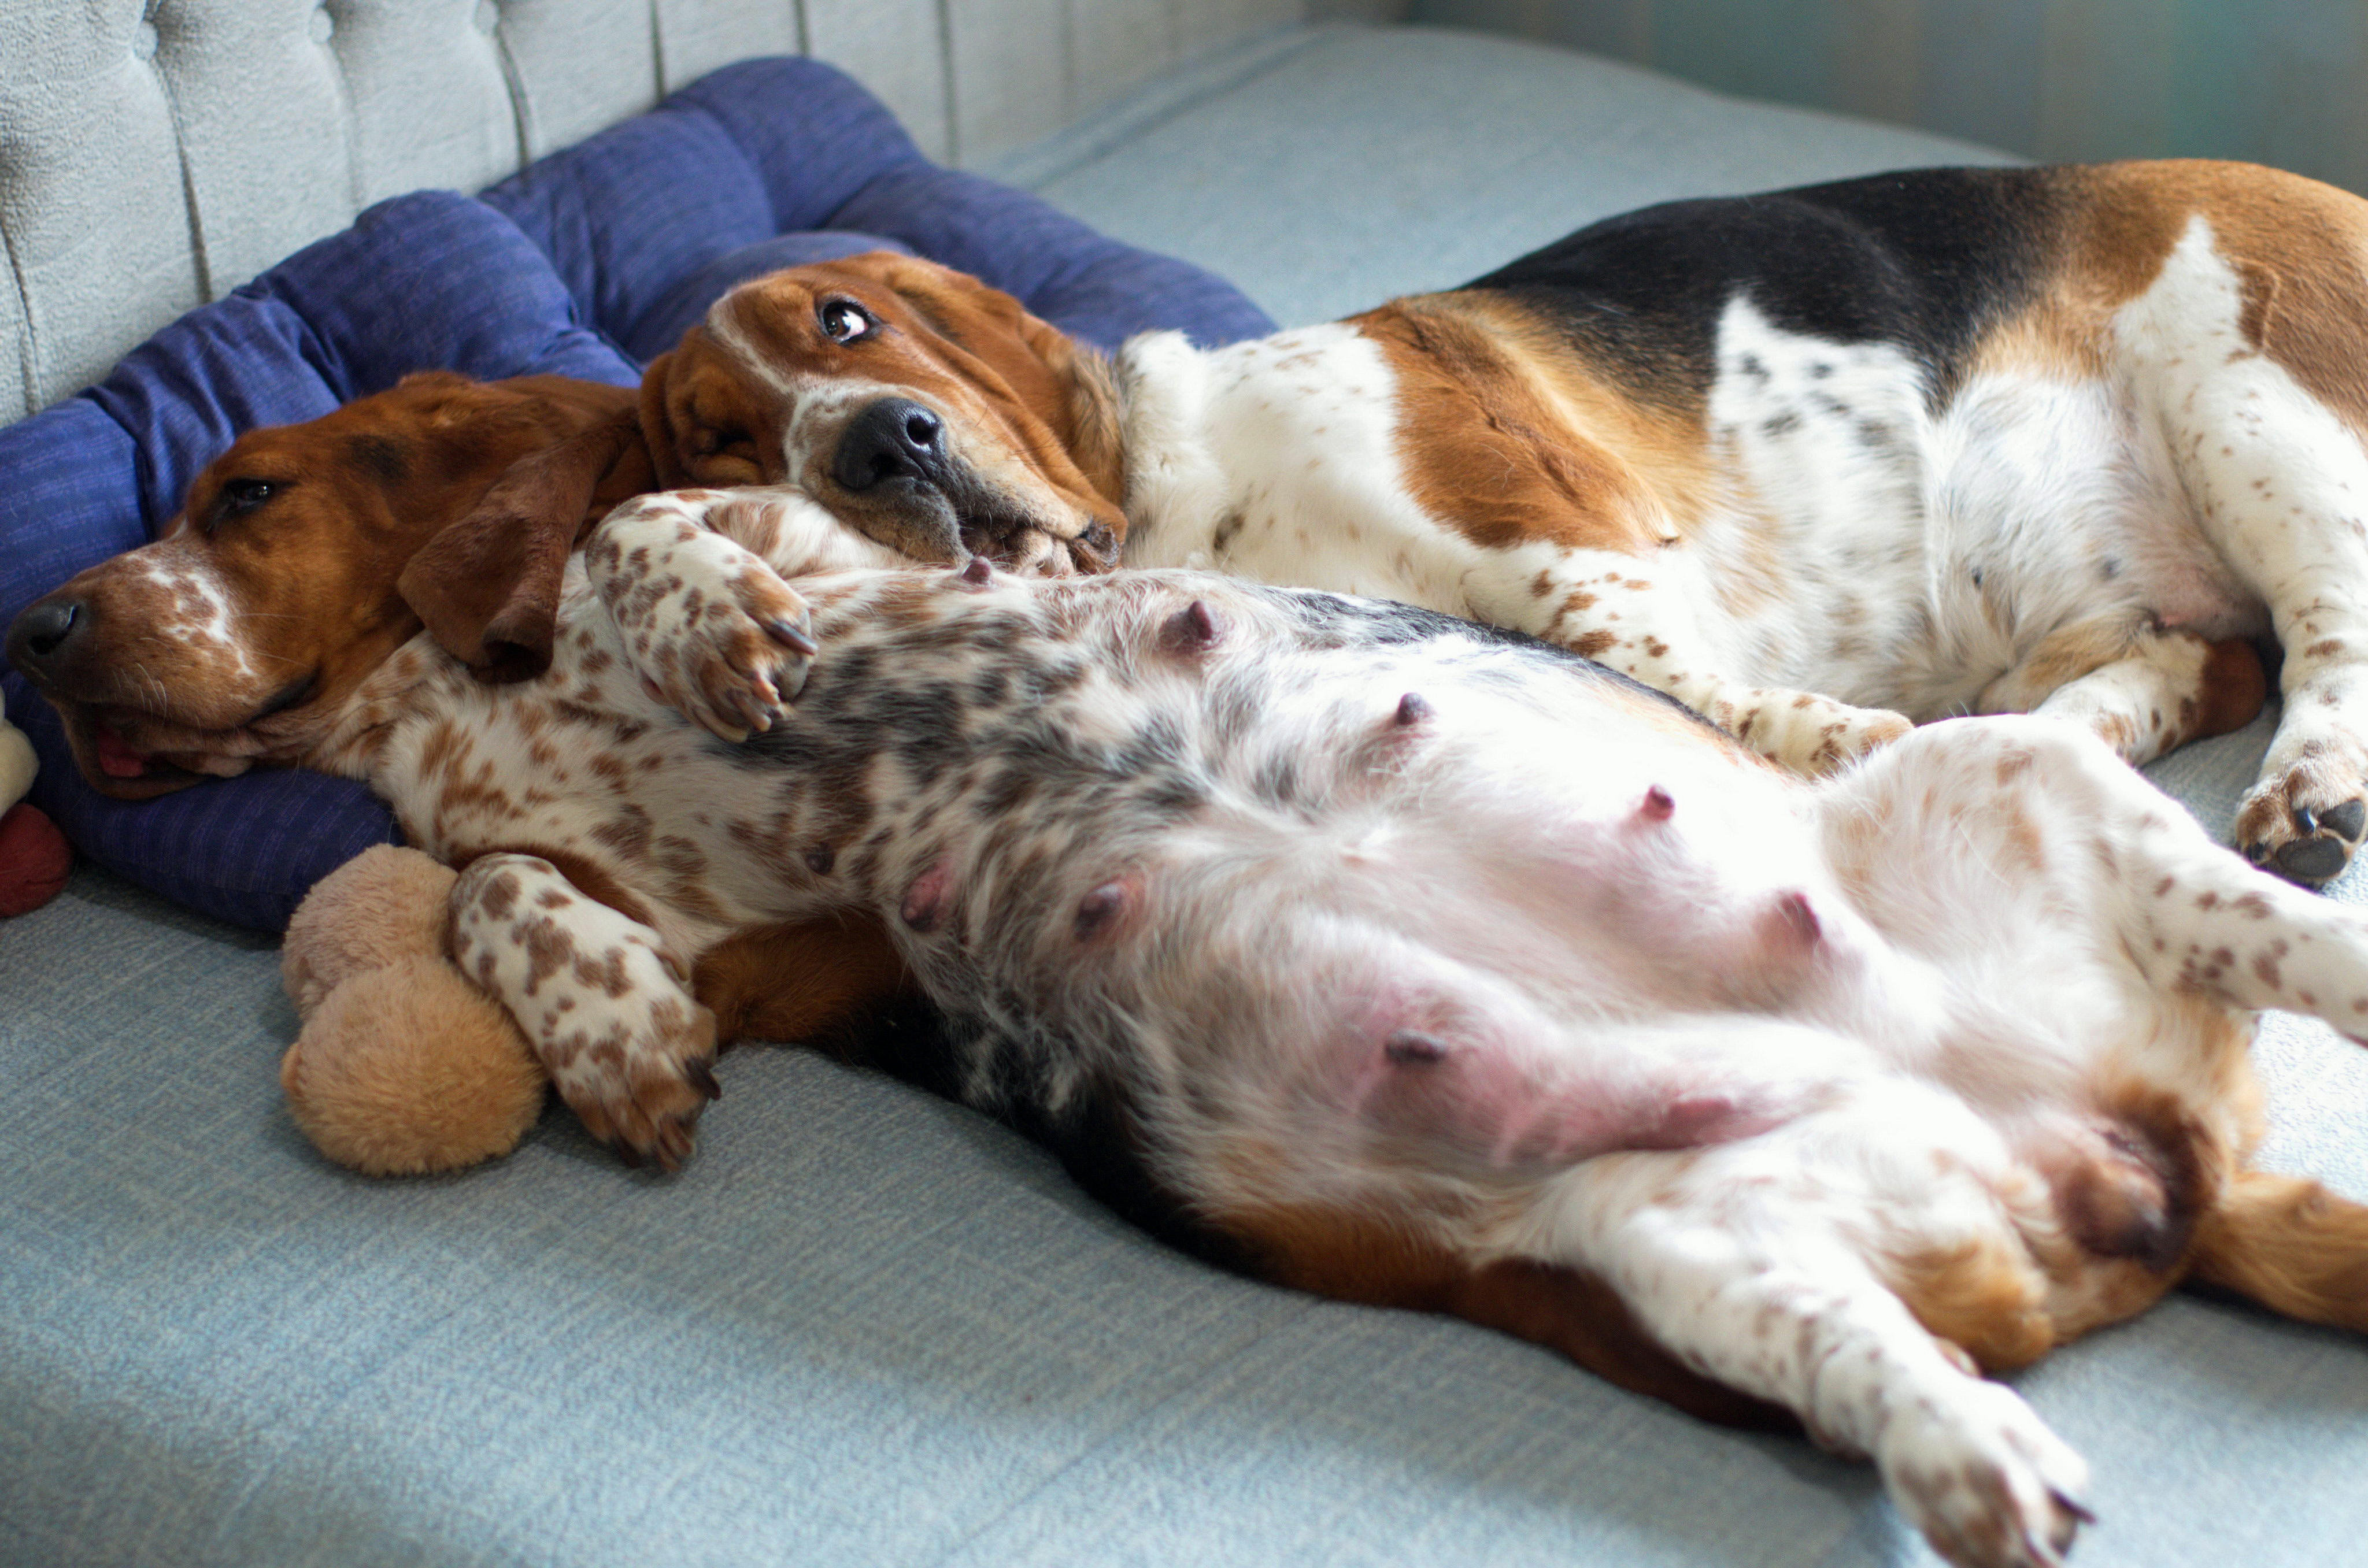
(2078, 441)
(1379, 953)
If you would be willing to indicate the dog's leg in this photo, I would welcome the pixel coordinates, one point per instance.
(2048, 807)
(2308, 812)
(626, 1045)
(1610, 608)
(2169, 688)
(2279, 481)
(1726, 1266)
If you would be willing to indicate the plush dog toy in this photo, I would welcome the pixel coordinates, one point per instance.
(404, 1066)
(34, 856)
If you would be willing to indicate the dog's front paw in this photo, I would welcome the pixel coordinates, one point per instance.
(1985, 1480)
(640, 1088)
(710, 628)
(2304, 824)
(606, 1013)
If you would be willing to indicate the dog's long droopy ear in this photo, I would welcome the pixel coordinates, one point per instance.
(487, 585)
(657, 424)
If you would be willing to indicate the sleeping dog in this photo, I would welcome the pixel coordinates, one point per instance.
(1382, 954)
(1817, 463)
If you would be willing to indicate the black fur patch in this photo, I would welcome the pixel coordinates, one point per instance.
(1925, 258)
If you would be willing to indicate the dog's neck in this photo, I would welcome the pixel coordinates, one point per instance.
(1174, 490)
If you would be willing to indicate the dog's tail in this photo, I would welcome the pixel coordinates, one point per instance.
(2290, 1244)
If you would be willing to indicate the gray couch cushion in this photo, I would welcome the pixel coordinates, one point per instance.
(867, 1328)
(1343, 166)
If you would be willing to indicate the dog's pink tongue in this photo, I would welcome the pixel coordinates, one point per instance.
(117, 759)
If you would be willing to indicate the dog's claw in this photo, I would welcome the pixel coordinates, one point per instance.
(791, 635)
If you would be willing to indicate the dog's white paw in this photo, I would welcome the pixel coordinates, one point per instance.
(710, 628)
(1985, 1480)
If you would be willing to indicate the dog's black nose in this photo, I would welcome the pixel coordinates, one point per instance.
(42, 629)
(894, 438)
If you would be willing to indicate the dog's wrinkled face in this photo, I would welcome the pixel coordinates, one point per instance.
(235, 635)
(922, 408)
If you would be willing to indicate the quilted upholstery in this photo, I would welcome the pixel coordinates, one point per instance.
(157, 153)
(626, 237)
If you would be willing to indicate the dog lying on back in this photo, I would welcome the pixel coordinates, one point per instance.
(1388, 956)
(1818, 462)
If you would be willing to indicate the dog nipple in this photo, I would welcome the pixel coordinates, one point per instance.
(1412, 1048)
(1795, 921)
(925, 900)
(1413, 709)
(977, 570)
(1192, 629)
(1098, 908)
(1658, 805)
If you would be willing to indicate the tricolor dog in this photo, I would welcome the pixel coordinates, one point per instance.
(1386, 955)
(1817, 463)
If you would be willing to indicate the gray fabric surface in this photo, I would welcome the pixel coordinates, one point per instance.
(1368, 162)
(865, 1327)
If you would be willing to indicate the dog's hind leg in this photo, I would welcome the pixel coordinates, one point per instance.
(1722, 1263)
(2164, 689)
(626, 1045)
(2043, 812)
(2270, 454)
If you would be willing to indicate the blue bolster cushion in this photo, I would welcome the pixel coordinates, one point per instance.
(586, 263)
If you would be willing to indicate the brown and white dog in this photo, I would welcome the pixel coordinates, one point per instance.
(303, 568)
(1389, 956)
(1818, 463)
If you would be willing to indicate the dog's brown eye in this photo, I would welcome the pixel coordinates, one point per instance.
(239, 496)
(843, 320)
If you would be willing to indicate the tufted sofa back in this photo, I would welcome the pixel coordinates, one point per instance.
(157, 153)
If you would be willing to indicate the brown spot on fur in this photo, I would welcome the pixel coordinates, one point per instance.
(1508, 435)
(2295, 245)
(607, 974)
(500, 895)
(549, 949)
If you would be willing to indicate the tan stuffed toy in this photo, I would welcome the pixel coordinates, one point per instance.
(404, 1066)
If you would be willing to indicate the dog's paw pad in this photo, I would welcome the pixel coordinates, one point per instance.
(2303, 845)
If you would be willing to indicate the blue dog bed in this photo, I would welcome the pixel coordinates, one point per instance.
(584, 264)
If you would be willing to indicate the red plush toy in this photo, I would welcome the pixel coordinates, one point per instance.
(34, 857)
